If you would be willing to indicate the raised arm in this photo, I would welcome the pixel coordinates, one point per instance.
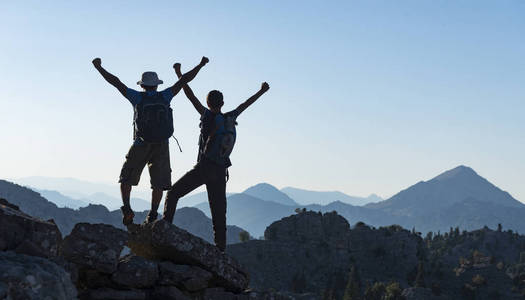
(188, 76)
(264, 88)
(112, 79)
(188, 91)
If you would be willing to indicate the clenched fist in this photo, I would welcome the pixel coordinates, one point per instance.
(97, 62)
(265, 86)
(204, 61)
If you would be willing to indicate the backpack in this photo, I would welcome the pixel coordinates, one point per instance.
(153, 120)
(221, 140)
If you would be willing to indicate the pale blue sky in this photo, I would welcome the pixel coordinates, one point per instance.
(366, 96)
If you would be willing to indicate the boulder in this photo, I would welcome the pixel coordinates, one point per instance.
(168, 293)
(164, 241)
(112, 294)
(95, 246)
(309, 226)
(29, 277)
(135, 271)
(27, 235)
(190, 278)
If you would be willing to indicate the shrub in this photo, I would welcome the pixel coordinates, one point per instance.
(478, 280)
(244, 236)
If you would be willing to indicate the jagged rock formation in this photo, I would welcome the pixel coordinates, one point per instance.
(30, 276)
(313, 253)
(165, 262)
(310, 251)
(160, 240)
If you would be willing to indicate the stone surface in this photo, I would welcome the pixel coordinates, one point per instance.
(189, 277)
(135, 271)
(163, 241)
(113, 294)
(308, 226)
(168, 293)
(419, 294)
(96, 246)
(29, 277)
(27, 235)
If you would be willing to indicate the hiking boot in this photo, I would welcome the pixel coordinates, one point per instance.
(127, 215)
(151, 217)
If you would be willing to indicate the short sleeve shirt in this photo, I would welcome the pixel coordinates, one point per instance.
(135, 97)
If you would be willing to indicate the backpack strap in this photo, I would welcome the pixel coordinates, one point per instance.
(173, 136)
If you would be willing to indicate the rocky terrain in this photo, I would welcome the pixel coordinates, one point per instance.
(311, 252)
(162, 262)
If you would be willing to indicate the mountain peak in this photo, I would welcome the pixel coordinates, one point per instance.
(459, 171)
(268, 192)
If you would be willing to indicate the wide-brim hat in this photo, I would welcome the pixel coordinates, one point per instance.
(149, 79)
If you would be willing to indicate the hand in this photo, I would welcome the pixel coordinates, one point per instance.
(97, 62)
(204, 61)
(265, 87)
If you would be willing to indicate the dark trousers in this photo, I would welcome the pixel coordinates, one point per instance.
(214, 177)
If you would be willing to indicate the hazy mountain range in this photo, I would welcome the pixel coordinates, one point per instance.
(455, 198)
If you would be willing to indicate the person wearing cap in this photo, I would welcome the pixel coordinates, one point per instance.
(150, 145)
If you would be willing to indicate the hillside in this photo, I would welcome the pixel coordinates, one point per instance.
(34, 204)
(455, 198)
(318, 253)
(251, 213)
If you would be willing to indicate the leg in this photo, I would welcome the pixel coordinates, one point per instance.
(183, 186)
(160, 174)
(125, 192)
(217, 199)
(156, 197)
(129, 176)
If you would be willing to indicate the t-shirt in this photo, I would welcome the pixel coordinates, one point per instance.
(135, 97)
(210, 121)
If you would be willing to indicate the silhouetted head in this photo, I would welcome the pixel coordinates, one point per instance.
(150, 81)
(215, 100)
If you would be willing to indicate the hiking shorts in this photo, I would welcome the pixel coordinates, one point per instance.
(156, 156)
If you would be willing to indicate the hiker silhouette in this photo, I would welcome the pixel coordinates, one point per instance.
(216, 141)
(152, 128)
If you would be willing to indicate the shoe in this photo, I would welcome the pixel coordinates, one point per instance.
(151, 217)
(127, 215)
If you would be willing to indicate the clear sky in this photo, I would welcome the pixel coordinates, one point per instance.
(366, 96)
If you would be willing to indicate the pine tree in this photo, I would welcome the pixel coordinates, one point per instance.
(353, 287)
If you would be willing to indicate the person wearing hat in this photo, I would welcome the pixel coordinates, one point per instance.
(152, 128)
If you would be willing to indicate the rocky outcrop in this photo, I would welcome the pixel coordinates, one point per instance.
(27, 244)
(29, 277)
(309, 226)
(27, 235)
(96, 246)
(163, 241)
(313, 252)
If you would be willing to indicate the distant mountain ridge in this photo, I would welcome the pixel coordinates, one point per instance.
(268, 192)
(455, 198)
(308, 197)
